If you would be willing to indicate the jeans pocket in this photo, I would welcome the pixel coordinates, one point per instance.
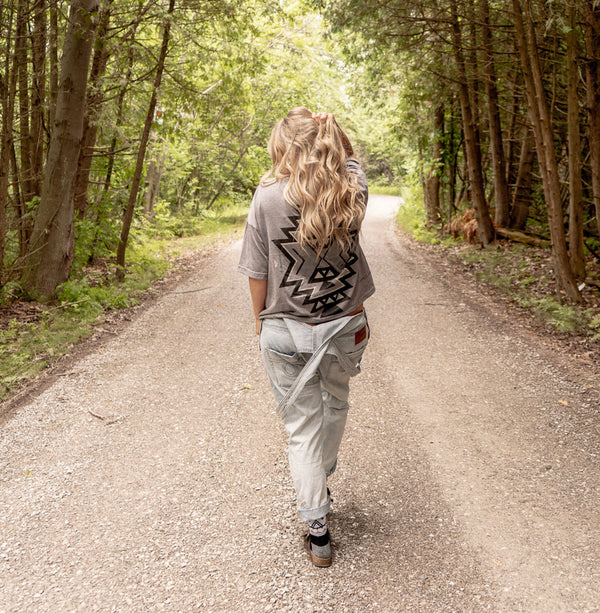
(284, 367)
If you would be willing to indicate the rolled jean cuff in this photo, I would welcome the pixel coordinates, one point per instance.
(310, 514)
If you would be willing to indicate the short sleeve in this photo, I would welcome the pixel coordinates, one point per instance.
(254, 261)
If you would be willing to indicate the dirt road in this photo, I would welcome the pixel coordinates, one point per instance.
(152, 475)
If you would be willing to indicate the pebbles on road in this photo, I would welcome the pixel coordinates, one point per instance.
(153, 477)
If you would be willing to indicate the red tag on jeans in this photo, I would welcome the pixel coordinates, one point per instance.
(360, 335)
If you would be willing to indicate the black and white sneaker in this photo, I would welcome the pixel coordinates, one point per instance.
(319, 548)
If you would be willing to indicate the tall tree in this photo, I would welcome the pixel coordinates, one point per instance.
(38, 93)
(544, 140)
(472, 144)
(576, 256)
(431, 179)
(93, 107)
(592, 74)
(501, 195)
(50, 255)
(8, 85)
(521, 200)
(137, 175)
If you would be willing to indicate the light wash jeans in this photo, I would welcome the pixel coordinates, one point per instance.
(309, 368)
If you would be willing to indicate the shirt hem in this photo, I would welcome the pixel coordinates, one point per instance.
(317, 320)
(263, 276)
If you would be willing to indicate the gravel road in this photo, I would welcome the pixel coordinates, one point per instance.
(152, 476)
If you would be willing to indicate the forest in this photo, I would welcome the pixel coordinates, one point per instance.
(124, 118)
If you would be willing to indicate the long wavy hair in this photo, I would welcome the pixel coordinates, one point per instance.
(310, 154)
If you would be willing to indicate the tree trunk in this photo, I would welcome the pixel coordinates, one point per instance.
(432, 178)
(519, 210)
(53, 55)
(38, 95)
(592, 75)
(452, 162)
(153, 177)
(92, 111)
(511, 171)
(485, 226)
(18, 203)
(130, 37)
(50, 254)
(137, 175)
(544, 141)
(576, 255)
(8, 86)
(25, 175)
(501, 197)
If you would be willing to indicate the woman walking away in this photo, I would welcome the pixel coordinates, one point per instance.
(308, 281)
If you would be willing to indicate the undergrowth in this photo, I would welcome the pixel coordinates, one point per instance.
(523, 273)
(384, 189)
(33, 335)
(411, 218)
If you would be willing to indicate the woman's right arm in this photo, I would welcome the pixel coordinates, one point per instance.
(258, 294)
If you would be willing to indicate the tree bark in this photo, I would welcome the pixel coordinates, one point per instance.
(93, 107)
(452, 161)
(38, 94)
(53, 56)
(25, 174)
(432, 177)
(592, 74)
(501, 196)
(544, 140)
(153, 176)
(50, 255)
(513, 134)
(576, 255)
(519, 210)
(137, 175)
(485, 226)
(8, 87)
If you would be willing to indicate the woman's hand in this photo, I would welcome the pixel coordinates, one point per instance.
(322, 118)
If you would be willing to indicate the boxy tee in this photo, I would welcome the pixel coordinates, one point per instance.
(301, 285)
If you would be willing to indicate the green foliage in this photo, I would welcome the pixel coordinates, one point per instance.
(26, 348)
(523, 274)
(10, 292)
(384, 189)
(231, 71)
(411, 217)
(565, 318)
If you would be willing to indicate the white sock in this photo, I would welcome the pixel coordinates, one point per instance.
(318, 527)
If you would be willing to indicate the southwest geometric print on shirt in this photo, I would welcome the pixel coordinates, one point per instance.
(322, 282)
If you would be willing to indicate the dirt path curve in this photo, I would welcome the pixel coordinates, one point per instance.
(152, 477)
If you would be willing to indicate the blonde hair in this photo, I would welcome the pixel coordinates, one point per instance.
(310, 154)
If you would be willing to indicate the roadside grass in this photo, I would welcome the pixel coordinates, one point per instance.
(33, 335)
(522, 273)
(383, 189)
(411, 219)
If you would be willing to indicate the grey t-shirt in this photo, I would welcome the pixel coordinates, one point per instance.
(300, 284)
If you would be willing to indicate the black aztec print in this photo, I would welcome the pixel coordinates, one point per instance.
(321, 282)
